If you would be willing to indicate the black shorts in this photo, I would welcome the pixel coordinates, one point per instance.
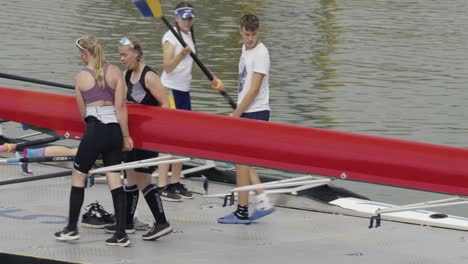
(99, 139)
(141, 154)
(260, 115)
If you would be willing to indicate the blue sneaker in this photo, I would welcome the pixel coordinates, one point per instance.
(261, 213)
(232, 219)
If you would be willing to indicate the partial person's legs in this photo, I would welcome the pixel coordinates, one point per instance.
(70, 232)
(164, 189)
(118, 198)
(132, 195)
(49, 151)
(241, 215)
(161, 227)
(263, 207)
(176, 186)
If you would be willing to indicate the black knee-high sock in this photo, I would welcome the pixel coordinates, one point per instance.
(155, 203)
(76, 201)
(132, 194)
(120, 205)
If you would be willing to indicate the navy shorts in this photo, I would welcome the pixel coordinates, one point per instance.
(180, 100)
(99, 139)
(141, 154)
(260, 115)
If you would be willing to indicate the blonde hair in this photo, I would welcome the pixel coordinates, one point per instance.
(91, 44)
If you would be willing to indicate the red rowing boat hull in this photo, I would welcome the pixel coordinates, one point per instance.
(350, 156)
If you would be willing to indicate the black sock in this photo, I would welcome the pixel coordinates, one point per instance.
(76, 201)
(120, 204)
(154, 203)
(132, 194)
(242, 212)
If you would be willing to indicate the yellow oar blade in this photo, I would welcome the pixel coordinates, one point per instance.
(149, 8)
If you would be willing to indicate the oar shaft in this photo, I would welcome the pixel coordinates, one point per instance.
(31, 80)
(198, 61)
(138, 165)
(38, 159)
(36, 178)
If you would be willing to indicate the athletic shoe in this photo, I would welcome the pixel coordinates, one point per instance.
(261, 213)
(232, 219)
(157, 231)
(25, 169)
(67, 235)
(116, 241)
(129, 229)
(139, 225)
(96, 217)
(168, 195)
(179, 188)
(106, 216)
(93, 219)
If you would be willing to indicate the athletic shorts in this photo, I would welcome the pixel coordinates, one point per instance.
(180, 100)
(141, 154)
(260, 115)
(99, 139)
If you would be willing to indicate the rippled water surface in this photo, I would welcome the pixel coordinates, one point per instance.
(389, 68)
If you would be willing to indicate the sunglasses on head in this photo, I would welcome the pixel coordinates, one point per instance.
(77, 44)
(126, 42)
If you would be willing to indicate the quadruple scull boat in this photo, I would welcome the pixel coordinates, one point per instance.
(347, 156)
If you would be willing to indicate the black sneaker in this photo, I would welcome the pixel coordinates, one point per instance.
(67, 235)
(179, 188)
(158, 231)
(121, 242)
(129, 229)
(106, 216)
(92, 220)
(168, 195)
(96, 216)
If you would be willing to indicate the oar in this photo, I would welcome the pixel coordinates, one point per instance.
(31, 80)
(36, 178)
(7, 147)
(152, 8)
(37, 159)
(124, 166)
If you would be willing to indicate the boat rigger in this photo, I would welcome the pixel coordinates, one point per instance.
(342, 155)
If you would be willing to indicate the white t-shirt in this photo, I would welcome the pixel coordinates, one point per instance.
(180, 77)
(254, 60)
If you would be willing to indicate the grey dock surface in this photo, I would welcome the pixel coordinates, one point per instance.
(316, 233)
(302, 230)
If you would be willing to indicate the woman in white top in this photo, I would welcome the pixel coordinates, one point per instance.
(177, 76)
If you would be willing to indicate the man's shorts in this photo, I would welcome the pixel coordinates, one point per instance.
(260, 115)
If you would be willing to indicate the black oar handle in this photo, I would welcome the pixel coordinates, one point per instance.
(230, 101)
(198, 61)
(22, 145)
(31, 80)
(36, 178)
(46, 159)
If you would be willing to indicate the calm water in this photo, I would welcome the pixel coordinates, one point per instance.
(389, 68)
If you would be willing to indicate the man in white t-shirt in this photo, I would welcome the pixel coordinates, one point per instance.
(252, 103)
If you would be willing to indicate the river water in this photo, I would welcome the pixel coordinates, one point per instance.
(387, 68)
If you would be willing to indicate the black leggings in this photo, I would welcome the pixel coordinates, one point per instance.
(99, 139)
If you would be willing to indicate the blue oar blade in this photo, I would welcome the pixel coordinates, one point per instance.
(149, 8)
